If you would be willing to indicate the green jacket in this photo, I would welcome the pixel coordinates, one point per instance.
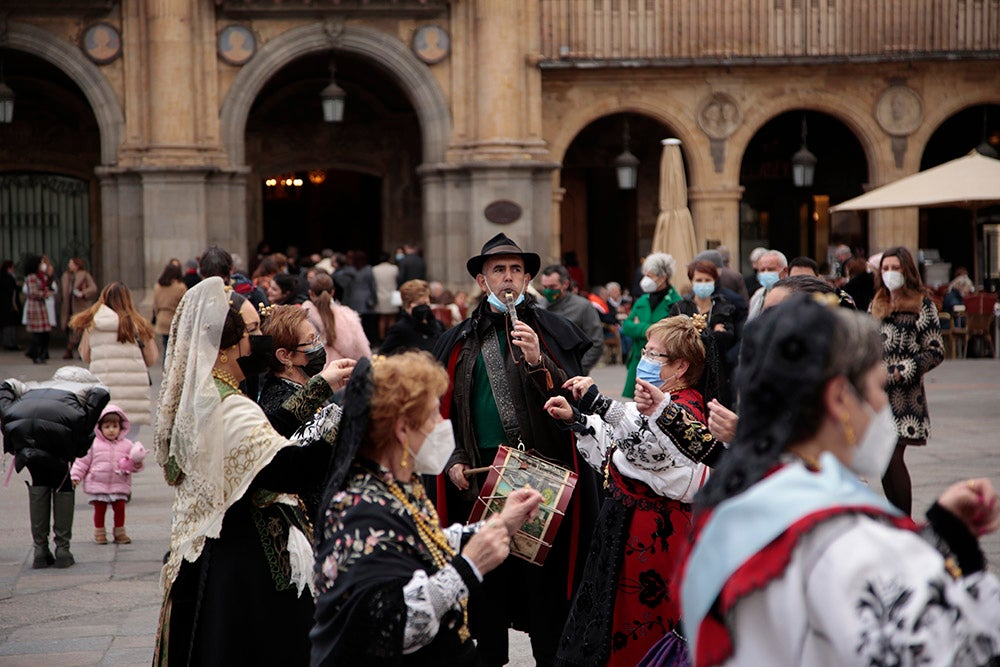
(636, 330)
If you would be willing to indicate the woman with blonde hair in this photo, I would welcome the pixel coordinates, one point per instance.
(118, 345)
(655, 454)
(393, 584)
(338, 326)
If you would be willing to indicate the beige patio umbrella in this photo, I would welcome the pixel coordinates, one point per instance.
(674, 233)
(969, 182)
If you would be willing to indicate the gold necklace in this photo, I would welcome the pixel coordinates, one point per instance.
(811, 462)
(428, 527)
(429, 530)
(225, 377)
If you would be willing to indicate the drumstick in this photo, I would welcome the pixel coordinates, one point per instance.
(469, 472)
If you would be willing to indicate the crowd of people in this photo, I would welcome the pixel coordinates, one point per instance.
(331, 429)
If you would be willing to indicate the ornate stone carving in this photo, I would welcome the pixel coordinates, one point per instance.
(431, 44)
(719, 116)
(236, 44)
(899, 111)
(102, 43)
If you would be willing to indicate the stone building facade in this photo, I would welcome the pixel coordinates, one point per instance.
(183, 120)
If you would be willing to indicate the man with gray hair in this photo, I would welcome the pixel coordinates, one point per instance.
(751, 278)
(771, 267)
(555, 284)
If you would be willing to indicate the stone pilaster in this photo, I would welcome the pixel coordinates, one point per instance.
(716, 215)
(893, 227)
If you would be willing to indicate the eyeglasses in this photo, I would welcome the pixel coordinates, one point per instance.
(655, 356)
(312, 342)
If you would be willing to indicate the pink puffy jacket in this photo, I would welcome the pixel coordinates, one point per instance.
(102, 469)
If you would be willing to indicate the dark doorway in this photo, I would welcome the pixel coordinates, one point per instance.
(49, 197)
(610, 229)
(777, 214)
(324, 209)
(368, 195)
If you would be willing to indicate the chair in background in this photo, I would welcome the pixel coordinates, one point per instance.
(979, 311)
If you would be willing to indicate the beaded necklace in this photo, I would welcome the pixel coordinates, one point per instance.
(225, 377)
(430, 533)
(428, 526)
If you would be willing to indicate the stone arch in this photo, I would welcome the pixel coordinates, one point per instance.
(389, 53)
(577, 120)
(940, 114)
(103, 100)
(864, 127)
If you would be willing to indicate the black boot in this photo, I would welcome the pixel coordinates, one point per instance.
(40, 510)
(63, 503)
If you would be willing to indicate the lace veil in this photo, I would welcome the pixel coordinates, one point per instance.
(188, 395)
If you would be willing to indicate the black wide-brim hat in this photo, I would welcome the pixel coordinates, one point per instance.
(502, 245)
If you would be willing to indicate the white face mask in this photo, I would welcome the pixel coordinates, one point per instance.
(436, 450)
(872, 455)
(647, 284)
(893, 280)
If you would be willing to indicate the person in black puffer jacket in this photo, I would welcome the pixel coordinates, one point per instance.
(46, 426)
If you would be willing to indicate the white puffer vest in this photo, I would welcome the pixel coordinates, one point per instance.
(120, 367)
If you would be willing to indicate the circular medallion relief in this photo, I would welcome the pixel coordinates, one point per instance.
(719, 116)
(102, 43)
(431, 44)
(502, 212)
(899, 111)
(236, 45)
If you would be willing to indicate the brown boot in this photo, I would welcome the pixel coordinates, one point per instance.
(101, 535)
(121, 537)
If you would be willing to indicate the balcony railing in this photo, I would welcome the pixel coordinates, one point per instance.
(676, 32)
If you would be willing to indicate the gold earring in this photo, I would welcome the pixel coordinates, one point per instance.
(223, 358)
(848, 431)
(404, 462)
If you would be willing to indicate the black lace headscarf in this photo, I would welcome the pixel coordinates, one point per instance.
(785, 361)
(353, 424)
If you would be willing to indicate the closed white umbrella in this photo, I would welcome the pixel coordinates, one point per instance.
(674, 233)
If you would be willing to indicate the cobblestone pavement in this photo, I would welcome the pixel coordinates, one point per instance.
(103, 610)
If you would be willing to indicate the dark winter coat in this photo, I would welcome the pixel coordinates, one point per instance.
(52, 423)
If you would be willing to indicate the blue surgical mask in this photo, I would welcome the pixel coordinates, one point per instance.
(767, 278)
(649, 371)
(703, 290)
(495, 301)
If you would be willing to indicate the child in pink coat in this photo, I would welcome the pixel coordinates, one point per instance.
(106, 472)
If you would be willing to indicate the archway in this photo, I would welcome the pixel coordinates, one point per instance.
(946, 234)
(48, 188)
(775, 213)
(384, 53)
(610, 229)
(91, 82)
(350, 185)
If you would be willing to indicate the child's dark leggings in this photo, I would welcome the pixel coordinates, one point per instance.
(100, 509)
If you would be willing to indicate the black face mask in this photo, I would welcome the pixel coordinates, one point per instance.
(422, 313)
(315, 360)
(259, 359)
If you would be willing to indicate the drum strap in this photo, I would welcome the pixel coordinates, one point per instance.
(496, 370)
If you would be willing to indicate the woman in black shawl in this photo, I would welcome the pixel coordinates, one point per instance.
(393, 586)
